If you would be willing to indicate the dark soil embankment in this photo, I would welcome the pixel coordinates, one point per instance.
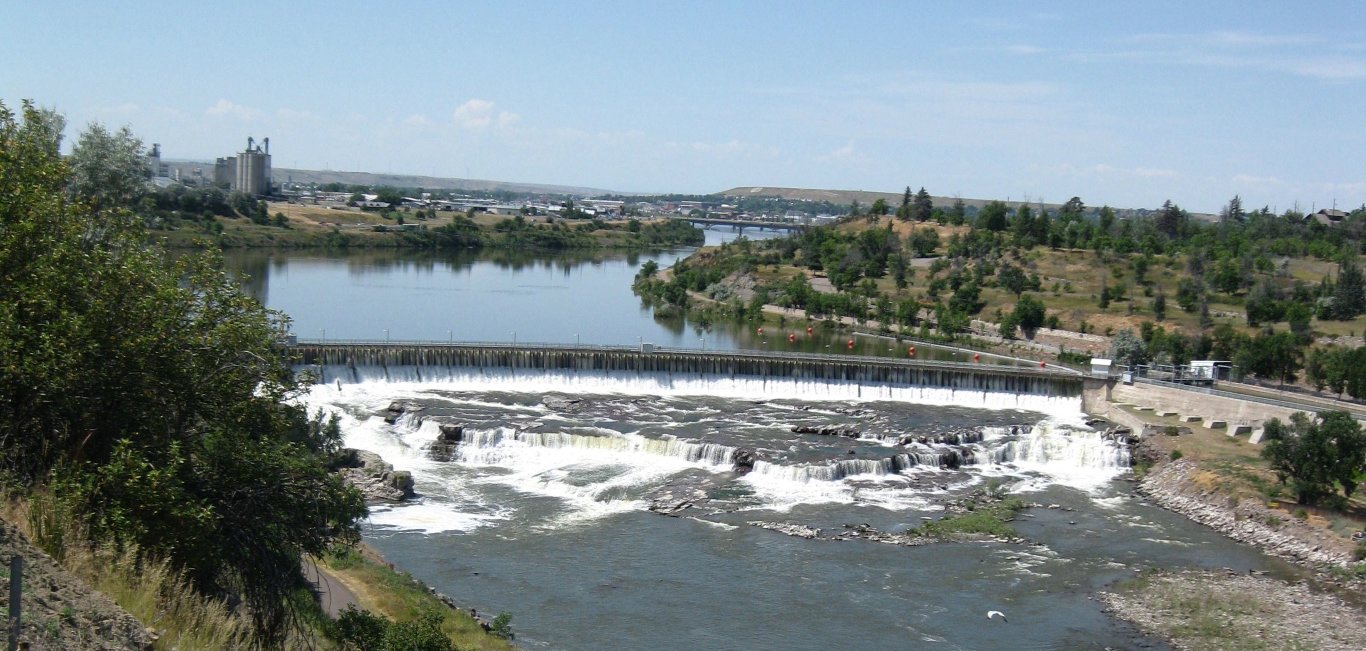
(61, 611)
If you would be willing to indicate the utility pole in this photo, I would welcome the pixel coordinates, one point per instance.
(16, 594)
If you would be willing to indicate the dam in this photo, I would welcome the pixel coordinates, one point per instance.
(425, 361)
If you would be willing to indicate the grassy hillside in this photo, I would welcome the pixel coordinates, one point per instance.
(1258, 290)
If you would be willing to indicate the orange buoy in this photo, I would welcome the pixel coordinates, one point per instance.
(911, 352)
(1043, 364)
(808, 330)
(761, 330)
(976, 357)
(851, 343)
(791, 337)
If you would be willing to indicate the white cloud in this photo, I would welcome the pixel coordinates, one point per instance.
(1104, 170)
(125, 108)
(1153, 173)
(849, 153)
(474, 114)
(1303, 55)
(1249, 179)
(733, 148)
(224, 108)
(507, 119)
(417, 120)
(295, 114)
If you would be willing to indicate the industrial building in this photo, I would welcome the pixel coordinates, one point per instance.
(248, 171)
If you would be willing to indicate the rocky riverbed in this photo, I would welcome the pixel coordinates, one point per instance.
(1228, 610)
(1181, 486)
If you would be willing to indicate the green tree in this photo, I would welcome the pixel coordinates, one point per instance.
(924, 242)
(1012, 279)
(923, 206)
(1233, 211)
(1128, 349)
(957, 213)
(993, 217)
(879, 208)
(1029, 313)
(1160, 305)
(1171, 219)
(152, 397)
(1349, 297)
(1311, 456)
(108, 169)
(903, 212)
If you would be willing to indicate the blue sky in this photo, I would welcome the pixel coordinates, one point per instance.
(1121, 103)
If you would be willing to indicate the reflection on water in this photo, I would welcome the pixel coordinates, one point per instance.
(501, 295)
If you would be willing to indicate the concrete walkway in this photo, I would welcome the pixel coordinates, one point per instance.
(333, 595)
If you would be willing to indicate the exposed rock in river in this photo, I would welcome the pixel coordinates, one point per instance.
(562, 403)
(443, 448)
(375, 478)
(846, 432)
(789, 528)
(397, 409)
(744, 460)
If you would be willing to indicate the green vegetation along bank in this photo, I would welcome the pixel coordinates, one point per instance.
(146, 415)
(1283, 296)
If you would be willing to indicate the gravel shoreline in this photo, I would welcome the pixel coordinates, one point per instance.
(1176, 486)
(1225, 610)
(1200, 609)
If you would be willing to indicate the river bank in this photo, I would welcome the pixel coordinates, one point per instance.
(296, 227)
(1227, 610)
(1325, 608)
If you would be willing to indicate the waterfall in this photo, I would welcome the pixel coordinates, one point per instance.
(1046, 446)
(1035, 394)
(491, 446)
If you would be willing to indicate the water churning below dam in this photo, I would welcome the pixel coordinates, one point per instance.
(543, 505)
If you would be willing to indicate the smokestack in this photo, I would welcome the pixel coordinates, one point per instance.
(250, 142)
(266, 141)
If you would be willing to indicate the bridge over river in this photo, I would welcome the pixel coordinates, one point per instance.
(741, 224)
(344, 360)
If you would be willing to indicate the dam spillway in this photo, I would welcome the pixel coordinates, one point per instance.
(428, 362)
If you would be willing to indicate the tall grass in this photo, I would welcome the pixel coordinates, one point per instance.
(400, 598)
(149, 588)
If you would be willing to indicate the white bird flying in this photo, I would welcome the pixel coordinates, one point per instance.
(993, 613)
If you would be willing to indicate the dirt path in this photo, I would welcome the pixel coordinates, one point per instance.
(332, 593)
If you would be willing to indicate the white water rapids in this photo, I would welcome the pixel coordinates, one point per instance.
(649, 432)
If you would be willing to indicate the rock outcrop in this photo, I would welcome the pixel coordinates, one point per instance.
(744, 460)
(846, 432)
(396, 409)
(443, 448)
(374, 477)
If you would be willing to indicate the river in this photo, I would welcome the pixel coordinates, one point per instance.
(542, 510)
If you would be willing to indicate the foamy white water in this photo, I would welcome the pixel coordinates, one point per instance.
(681, 384)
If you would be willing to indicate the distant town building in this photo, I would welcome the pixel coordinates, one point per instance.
(1329, 216)
(225, 171)
(154, 165)
(248, 171)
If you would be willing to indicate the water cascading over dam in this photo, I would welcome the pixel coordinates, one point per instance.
(730, 373)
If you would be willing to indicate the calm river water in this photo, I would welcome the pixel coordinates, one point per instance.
(543, 510)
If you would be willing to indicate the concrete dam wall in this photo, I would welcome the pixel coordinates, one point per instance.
(435, 362)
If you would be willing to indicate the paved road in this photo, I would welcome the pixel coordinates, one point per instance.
(332, 593)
